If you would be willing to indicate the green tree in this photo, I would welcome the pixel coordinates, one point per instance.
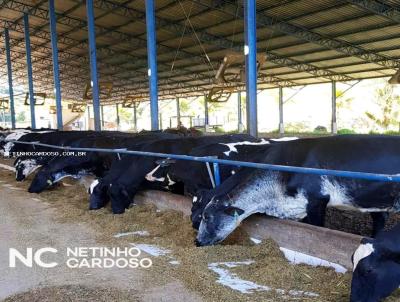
(21, 117)
(343, 102)
(388, 103)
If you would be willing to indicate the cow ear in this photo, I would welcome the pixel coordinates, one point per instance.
(233, 211)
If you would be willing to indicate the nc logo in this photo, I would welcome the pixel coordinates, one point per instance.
(31, 257)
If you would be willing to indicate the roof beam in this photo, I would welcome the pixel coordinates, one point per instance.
(378, 8)
(80, 24)
(187, 73)
(221, 42)
(315, 38)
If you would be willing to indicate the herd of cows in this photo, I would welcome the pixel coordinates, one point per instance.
(218, 210)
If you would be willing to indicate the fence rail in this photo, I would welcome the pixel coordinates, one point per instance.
(216, 162)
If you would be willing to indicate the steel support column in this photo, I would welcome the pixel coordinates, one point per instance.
(135, 105)
(205, 114)
(334, 124)
(56, 70)
(10, 79)
(102, 115)
(117, 113)
(93, 64)
(152, 62)
(29, 67)
(251, 66)
(281, 127)
(88, 116)
(239, 100)
(178, 112)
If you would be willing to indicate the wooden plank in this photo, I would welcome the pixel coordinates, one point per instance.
(331, 245)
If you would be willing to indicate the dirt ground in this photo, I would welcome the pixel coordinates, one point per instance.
(180, 271)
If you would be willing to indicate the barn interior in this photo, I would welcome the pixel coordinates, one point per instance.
(82, 58)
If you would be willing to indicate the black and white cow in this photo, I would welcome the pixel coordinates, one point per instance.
(197, 178)
(27, 164)
(305, 196)
(6, 147)
(126, 177)
(376, 267)
(94, 163)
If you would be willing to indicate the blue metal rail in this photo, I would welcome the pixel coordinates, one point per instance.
(281, 168)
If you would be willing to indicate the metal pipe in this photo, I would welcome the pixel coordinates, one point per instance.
(29, 67)
(281, 127)
(152, 62)
(239, 95)
(93, 64)
(210, 175)
(251, 74)
(56, 70)
(217, 174)
(334, 124)
(10, 78)
(246, 64)
(293, 169)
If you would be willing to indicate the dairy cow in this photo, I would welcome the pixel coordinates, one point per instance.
(94, 163)
(35, 156)
(197, 179)
(305, 196)
(376, 267)
(126, 177)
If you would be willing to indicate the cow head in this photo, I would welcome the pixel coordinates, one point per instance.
(120, 198)
(376, 271)
(98, 194)
(42, 181)
(23, 168)
(200, 200)
(220, 218)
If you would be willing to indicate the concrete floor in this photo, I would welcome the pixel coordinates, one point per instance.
(26, 221)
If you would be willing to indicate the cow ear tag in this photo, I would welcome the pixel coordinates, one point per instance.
(49, 182)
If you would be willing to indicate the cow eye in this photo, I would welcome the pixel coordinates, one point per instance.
(368, 270)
